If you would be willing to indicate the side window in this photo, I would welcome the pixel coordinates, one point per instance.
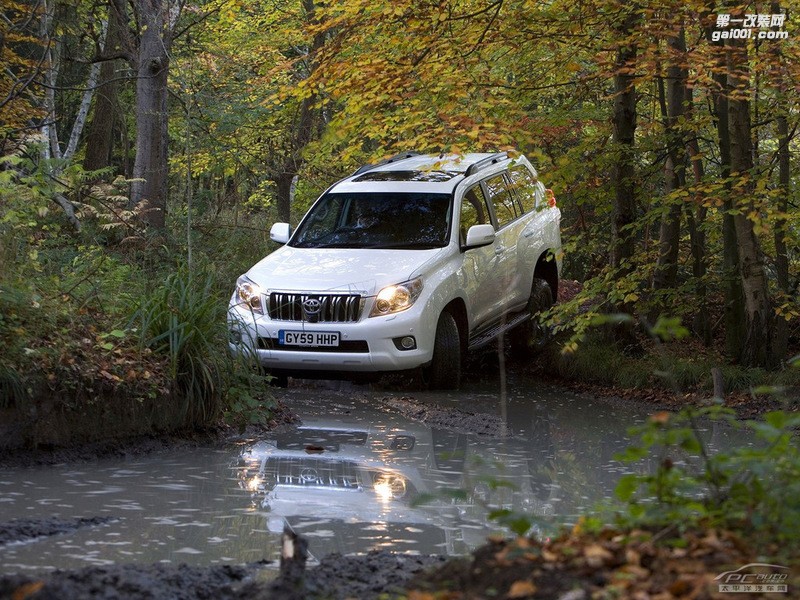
(504, 207)
(525, 188)
(474, 211)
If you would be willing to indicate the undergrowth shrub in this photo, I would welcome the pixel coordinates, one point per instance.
(752, 489)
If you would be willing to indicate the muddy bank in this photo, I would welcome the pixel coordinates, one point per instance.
(131, 582)
(575, 566)
(337, 577)
(23, 530)
(131, 447)
(452, 419)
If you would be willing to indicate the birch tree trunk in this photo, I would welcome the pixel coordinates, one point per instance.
(86, 100)
(52, 147)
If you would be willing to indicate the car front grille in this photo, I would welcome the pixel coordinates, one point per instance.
(309, 472)
(326, 308)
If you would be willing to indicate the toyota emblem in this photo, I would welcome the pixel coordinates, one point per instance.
(312, 306)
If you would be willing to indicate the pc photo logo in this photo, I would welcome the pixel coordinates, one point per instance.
(765, 26)
(755, 578)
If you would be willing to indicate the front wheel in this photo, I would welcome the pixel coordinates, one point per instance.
(531, 336)
(444, 372)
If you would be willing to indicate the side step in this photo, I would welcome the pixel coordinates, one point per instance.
(486, 337)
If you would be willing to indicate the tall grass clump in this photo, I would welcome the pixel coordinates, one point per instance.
(184, 319)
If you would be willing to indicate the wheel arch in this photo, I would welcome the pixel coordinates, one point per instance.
(546, 268)
(458, 309)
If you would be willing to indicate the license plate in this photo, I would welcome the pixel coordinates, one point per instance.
(310, 339)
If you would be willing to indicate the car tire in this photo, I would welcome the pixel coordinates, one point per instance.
(531, 336)
(444, 372)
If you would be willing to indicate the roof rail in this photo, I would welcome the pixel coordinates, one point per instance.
(485, 162)
(395, 158)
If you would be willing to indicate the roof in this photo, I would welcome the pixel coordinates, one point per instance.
(418, 173)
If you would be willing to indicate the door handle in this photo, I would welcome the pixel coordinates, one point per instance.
(528, 233)
(499, 249)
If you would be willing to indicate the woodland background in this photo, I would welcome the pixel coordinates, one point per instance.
(147, 145)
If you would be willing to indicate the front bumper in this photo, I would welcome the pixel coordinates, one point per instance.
(366, 345)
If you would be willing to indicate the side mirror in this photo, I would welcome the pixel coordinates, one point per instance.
(280, 232)
(479, 235)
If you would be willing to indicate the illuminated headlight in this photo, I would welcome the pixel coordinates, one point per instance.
(249, 293)
(389, 486)
(396, 298)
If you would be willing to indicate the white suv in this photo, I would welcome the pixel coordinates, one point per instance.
(405, 264)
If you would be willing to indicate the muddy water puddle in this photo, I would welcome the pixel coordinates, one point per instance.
(362, 472)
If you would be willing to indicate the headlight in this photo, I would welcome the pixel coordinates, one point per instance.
(396, 298)
(249, 293)
(389, 486)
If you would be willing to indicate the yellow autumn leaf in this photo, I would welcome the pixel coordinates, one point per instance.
(521, 589)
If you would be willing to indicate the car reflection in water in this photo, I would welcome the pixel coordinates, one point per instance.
(353, 484)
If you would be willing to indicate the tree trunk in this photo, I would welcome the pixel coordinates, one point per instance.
(758, 349)
(695, 220)
(784, 177)
(284, 185)
(781, 232)
(100, 132)
(52, 147)
(150, 168)
(666, 273)
(86, 100)
(303, 129)
(732, 287)
(624, 121)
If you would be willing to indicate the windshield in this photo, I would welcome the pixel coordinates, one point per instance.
(376, 220)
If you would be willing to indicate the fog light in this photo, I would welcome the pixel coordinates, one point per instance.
(235, 337)
(407, 342)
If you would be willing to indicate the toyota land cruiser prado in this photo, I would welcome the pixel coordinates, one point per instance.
(405, 264)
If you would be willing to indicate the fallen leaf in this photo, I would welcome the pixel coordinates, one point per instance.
(596, 555)
(660, 417)
(27, 590)
(680, 587)
(521, 589)
(549, 556)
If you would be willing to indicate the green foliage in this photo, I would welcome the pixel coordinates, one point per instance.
(12, 392)
(519, 523)
(184, 319)
(754, 489)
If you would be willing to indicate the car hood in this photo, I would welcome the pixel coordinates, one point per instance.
(340, 269)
